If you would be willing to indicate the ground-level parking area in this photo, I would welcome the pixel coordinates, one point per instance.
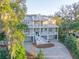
(58, 51)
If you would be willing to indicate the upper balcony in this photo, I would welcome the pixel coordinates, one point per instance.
(41, 33)
(42, 26)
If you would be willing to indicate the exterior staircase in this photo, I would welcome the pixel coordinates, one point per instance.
(39, 40)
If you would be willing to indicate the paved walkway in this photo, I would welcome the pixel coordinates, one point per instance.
(59, 51)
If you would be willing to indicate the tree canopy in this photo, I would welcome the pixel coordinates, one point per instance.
(12, 15)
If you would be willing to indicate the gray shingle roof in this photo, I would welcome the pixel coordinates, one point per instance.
(37, 17)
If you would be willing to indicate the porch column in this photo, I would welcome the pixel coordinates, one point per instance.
(47, 34)
(57, 33)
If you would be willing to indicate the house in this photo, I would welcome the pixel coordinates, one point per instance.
(41, 27)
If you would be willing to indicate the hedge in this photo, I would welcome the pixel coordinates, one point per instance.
(71, 42)
(3, 53)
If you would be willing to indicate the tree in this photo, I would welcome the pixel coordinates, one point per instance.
(75, 25)
(58, 20)
(11, 16)
(69, 19)
(69, 12)
(70, 16)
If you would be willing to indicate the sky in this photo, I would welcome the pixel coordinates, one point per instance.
(46, 7)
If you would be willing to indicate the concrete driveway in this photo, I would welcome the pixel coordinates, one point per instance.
(59, 51)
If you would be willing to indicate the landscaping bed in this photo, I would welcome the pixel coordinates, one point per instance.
(43, 45)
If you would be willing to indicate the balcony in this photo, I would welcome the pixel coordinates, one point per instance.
(42, 33)
(42, 26)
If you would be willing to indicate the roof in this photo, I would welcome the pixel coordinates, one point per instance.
(37, 17)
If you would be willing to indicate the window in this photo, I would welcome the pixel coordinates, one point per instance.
(52, 37)
(43, 29)
(45, 37)
(50, 29)
(55, 36)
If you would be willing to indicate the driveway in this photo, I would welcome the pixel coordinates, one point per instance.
(59, 51)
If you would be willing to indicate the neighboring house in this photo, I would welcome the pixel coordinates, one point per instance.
(41, 27)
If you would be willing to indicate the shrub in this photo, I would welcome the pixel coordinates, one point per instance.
(2, 36)
(3, 53)
(41, 55)
(71, 42)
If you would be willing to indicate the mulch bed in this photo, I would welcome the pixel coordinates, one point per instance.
(43, 45)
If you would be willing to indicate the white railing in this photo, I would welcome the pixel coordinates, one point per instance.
(39, 25)
(54, 33)
(42, 33)
(39, 40)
